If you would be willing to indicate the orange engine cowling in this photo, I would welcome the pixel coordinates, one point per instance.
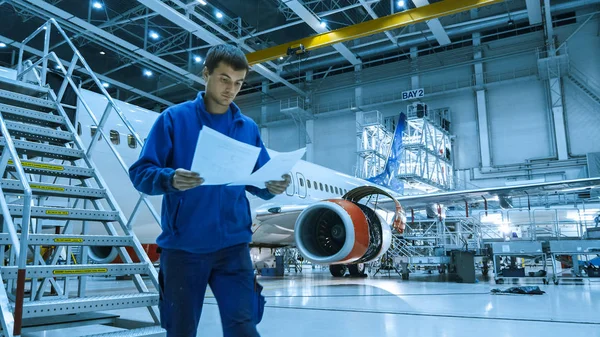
(341, 231)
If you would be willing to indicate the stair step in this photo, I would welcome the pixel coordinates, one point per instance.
(22, 87)
(26, 101)
(74, 240)
(67, 321)
(30, 116)
(43, 271)
(34, 149)
(154, 331)
(48, 189)
(64, 213)
(53, 170)
(88, 304)
(34, 132)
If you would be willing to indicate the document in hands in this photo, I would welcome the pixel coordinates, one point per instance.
(222, 160)
(279, 165)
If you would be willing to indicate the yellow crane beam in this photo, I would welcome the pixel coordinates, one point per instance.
(408, 17)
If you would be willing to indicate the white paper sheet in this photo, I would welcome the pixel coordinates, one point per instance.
(279, 165)
(220, 159)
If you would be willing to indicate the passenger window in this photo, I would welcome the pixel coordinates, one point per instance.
(93, 130)
(331, 188)
(337, 191)
(78, 129)
(308, 183)
(321, 185)
(326, 188)
(131, 141)
(115, 137)
(301, 182)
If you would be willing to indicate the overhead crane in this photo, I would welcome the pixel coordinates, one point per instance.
(397, 20)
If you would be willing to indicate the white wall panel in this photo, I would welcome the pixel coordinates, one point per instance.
(518, 122)
(582, 115)
(335, 142)
(284, 138)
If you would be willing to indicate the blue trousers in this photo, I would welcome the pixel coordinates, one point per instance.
(183, 278)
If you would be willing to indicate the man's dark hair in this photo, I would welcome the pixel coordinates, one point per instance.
(230, 55)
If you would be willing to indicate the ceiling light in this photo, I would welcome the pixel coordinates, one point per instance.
(198, 59)
(323, 24)
(147, 73)
(102, 53)
(401, 3)
(219, 15)
(281, 58)
(202, 2)
(154, 35)
(2, 44)
(97, 5)
(106, 85)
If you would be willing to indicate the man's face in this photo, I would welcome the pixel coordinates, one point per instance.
(223, 85)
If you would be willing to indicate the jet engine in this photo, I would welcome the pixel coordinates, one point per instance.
(342, 231)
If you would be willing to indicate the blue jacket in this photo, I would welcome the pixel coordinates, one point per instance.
(206, 218)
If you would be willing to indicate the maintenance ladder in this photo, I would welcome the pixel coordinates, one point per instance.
(52, 197)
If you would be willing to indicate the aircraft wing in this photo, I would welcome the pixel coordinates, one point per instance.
(456, 197)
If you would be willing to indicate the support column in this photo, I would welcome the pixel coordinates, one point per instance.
(555, 88)
(414, 67)
(264, 131)
(309, 125)
(482, 115)
(358, 99)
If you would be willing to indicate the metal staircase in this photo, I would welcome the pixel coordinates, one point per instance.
(587, 85)
(53, 199)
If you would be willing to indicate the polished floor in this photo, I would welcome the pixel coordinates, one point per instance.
(314, 304)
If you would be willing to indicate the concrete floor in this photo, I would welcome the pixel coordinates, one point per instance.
(315, 304)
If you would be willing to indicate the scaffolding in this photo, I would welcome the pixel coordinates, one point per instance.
(426, 162)
(373, 143)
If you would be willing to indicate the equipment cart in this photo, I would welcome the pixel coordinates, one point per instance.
(575, 249)
(511, 250)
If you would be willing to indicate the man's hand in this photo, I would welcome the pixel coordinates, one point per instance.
(279, 186)
(185, 180)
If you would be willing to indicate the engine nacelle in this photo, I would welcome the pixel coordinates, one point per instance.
(341, 231)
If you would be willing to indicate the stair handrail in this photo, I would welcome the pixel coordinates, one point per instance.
(20, 248)
(110, 105)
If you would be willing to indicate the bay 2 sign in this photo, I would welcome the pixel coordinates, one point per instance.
(412, 94)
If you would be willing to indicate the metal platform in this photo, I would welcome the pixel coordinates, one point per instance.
(31, 116)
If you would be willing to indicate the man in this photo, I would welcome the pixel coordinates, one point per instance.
(205, 229)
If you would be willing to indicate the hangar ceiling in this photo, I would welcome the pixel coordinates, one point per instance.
(123, 39)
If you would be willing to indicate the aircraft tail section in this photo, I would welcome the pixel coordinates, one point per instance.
(388, 178)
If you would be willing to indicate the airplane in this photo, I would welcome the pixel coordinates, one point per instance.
(321, 212)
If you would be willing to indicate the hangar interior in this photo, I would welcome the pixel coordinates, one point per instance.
(481, 118)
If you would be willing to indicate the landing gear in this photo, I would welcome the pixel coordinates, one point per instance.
(337, 270)
(357, 270)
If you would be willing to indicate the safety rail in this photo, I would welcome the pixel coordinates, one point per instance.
(111, 105)
(21, 247)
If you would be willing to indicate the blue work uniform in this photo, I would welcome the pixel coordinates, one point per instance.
(205, 230)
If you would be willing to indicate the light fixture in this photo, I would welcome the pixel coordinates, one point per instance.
(202, 2)
(154, 35)
(281, 58)
(106, 85)
(198, 59)
(2, 45)
(97, 5)
(401, 3)
(102, 52)
(323, 24)
(147, 73)
(219, 15)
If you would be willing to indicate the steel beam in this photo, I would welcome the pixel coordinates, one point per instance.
(179, 19)
(371, 27)
(435, 25)
(315, 24)
(534, 9)
(90, 29)
(374, 15)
